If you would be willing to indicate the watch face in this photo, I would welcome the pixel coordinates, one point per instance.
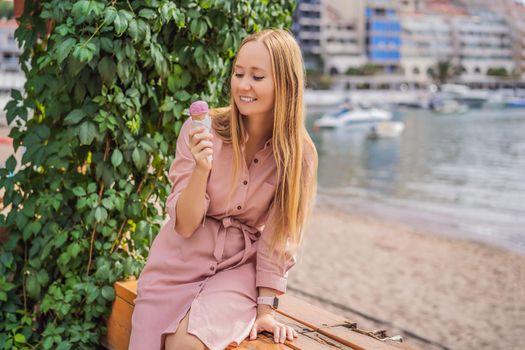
(275, 302)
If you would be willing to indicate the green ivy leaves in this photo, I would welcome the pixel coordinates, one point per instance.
(85, 8)
(199, 27)
(116, 158)
(108, 70)
(121, 21)
(64, 48)
(106, 90)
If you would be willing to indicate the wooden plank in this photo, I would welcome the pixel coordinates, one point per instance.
(354, 339)
(319, 329)
(329, 324)
(263, 342)
(308, 339)
(307, 314)
(119, 325)
(399, 345)
(127, 290)
(316, 341)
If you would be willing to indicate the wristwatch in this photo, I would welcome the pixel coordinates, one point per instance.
(272, 301)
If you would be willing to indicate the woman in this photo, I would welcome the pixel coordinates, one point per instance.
(235, 222)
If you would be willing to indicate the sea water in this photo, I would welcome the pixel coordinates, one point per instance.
(460, 175)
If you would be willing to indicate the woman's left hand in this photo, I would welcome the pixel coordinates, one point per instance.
(267, 322)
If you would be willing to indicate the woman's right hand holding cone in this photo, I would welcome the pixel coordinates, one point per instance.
(201, 146)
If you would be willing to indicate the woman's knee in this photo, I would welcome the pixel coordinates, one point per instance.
(183, 341)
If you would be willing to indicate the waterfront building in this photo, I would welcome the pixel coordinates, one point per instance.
(307, 27)
(442, 7)
(9, 51)
(513, 12)
(343, 36)
(336, 35)
(383, 34)
(427, 39)
(410, 6)
(483, 44)
(11, 75)
(403, 40)
(516, 16)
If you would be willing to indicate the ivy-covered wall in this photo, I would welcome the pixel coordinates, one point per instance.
(107, 84)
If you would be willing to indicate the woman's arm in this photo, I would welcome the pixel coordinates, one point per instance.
(191, 206)
(266, 292)
(265, 320)
(190, 211)
(189, 175)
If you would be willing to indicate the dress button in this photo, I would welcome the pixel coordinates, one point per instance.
(212, 268)
(245, 182)
(256, 160)
(239, 207)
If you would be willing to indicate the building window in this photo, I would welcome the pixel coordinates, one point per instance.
(334, 71)
(416, 71)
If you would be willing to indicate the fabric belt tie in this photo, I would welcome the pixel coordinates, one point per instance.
(249, 233)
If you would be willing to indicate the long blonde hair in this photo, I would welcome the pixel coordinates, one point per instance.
(293, 149)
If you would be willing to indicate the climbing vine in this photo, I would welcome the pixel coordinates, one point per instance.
(97, 122)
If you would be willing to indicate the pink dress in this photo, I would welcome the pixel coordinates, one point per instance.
(214, 273)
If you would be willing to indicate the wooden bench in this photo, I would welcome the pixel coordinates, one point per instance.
(318, 329)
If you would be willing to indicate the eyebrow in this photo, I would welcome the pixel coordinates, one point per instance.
(252, 67)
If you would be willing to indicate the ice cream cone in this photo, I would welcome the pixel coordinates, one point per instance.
(199, 117)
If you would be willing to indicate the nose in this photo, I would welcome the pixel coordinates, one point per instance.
(244, 84)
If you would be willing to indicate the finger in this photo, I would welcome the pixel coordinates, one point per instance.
(282, 334)
(201, 146)
(295, 334)
(276, 332)
(202, 132)
(197, 130)
(253, 333)
(196, 138)
(289, 333)
(199, 138)
(205, 144)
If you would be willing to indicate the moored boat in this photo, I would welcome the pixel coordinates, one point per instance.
(353, 117)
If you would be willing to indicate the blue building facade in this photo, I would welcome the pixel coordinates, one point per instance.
(383, 31)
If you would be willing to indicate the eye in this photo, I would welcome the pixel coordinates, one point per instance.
(258, 78)
(239, 75)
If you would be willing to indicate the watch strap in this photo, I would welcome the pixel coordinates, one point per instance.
(272, 301)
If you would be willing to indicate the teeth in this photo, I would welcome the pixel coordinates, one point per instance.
(247, 99)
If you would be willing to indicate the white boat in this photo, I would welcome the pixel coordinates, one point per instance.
(353, 117)
(506, 99)
(386, 130)
(447, 106)
(465, 95)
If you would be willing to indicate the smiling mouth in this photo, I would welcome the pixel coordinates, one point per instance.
(247, 99)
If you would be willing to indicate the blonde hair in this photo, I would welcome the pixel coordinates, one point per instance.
(293, 149)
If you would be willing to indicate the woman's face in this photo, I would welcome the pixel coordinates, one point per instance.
(252, 82)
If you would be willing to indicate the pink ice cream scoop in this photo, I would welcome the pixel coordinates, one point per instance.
(198, 108)
(199, 117)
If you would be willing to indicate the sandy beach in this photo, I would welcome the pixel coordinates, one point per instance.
(435, 291)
